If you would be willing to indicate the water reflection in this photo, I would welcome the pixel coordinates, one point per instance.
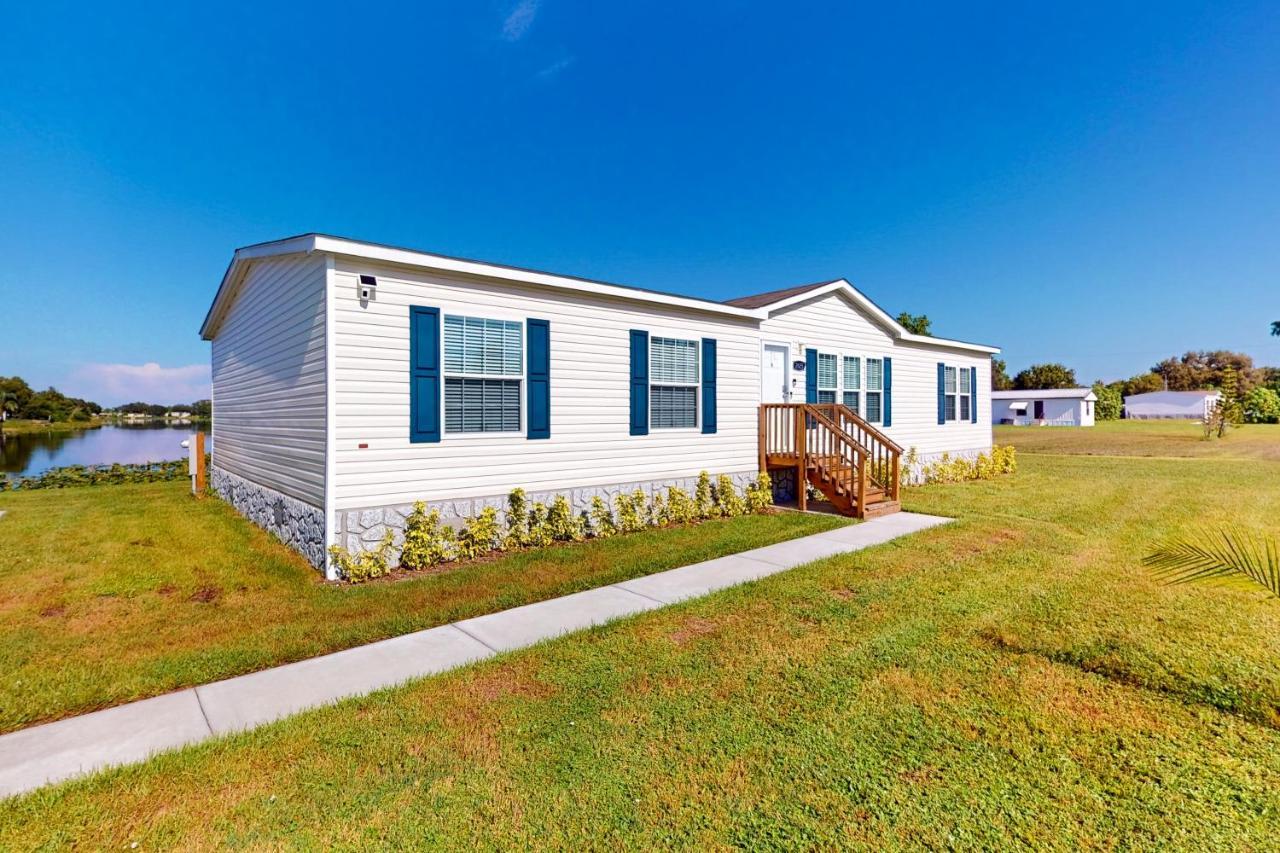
(31, 453)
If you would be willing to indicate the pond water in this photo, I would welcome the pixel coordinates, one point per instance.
(31, 453)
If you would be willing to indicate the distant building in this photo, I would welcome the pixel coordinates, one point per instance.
(1048, 407)
(1171, 405)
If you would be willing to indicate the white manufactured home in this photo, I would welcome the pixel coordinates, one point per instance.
(1046, 407)
(352, 379)
(1171, 405)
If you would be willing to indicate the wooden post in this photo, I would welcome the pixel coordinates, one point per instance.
(862, 486)
(200, 473)
(802, 464)
(897, 474)
(764, 433)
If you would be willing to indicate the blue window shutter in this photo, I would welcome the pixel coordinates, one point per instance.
(708, 385)
(942, 393)
(887, 409)
(424, 374)
(973, 395)
(811, 376)
(639, 382)
(538, 343)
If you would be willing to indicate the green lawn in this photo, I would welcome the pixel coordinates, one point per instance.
(114, 593)
(1013, 679)
(17, 426)
(1146, 438)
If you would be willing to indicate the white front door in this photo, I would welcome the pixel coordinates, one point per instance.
(773, 374)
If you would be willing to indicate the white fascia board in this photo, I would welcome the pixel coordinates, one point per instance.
(877, 313)
(235, 272)
(407, 257)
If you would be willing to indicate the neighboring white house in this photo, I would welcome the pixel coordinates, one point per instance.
(1184, 405)
(351, 379)
(1056, 407)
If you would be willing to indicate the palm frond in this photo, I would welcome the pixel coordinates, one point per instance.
(1220, 554)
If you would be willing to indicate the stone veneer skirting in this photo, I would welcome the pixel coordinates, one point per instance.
(363, 529)
(296, 523)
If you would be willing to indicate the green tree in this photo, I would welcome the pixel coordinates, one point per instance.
(1143, 383)
(916, 324)
(8, 406)
(1109, 402)
(1044, 376)
(1229, 410)
(1000, 380)
(1261, 406)
(1197, 370)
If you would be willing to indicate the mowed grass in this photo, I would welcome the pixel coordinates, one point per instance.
(1146, 438)
(114, 593)
(1013, 679)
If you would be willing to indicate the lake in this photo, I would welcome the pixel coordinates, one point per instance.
(32, 453)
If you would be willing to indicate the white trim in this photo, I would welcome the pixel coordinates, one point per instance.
(463, 435)
(307, 243)
(697, 386)
(330, 418)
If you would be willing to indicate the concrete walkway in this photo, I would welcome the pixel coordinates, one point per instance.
(55, 751)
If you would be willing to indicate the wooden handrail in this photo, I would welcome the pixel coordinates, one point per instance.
(802, 434)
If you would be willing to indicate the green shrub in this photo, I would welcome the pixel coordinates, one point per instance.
(728, 502)
(680, 507)
(426, 542)
(564, 524)
(517, 520)
(633, 515)
(658, 511)
(538, 530)
(958, 469)
(760, 493)
(480, 535)
(602, 526)
(366, 565)
(703, 502)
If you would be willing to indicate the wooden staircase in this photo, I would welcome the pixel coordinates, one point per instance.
(855, 465)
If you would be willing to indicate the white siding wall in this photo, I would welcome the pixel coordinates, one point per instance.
(1057, 412)
(590, 444)
(269, 379)
(833, 324)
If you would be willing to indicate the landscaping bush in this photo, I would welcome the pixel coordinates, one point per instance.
(428, 543)
(958, 469)
(366, 565)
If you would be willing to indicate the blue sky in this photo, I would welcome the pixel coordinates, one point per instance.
(1092, 183)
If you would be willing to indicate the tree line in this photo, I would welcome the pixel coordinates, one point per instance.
(1254, 390)
(19, 400)
(1250, 393)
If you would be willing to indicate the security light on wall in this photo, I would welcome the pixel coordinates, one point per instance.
(368, 287)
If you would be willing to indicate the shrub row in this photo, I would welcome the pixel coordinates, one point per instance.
(72, 476)
(958, 469)
(527, 524)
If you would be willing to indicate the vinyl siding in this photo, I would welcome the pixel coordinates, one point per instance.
(590, 444)
(832, 324)
(269, 379)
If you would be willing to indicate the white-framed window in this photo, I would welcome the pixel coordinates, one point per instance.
(949, 393)
(826, 377)
(875, 390)
(966, 392)
(673, 383)
(851, 383)
(483, 374)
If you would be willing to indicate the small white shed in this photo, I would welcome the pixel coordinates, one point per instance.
(1047, 407)
(1171, 405)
